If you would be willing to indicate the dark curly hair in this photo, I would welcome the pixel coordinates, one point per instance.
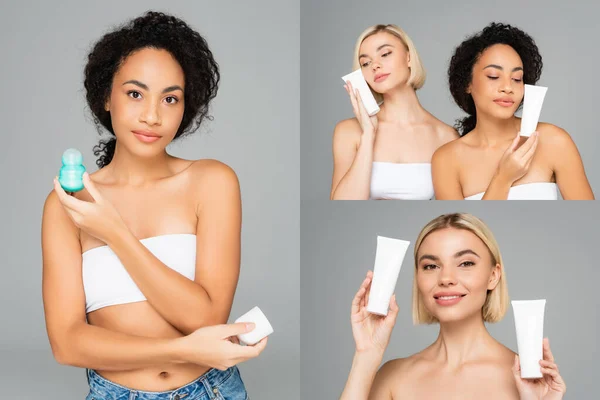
(159, 31)
(460, 71)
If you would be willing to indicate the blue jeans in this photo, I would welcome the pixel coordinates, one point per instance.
(213, 385)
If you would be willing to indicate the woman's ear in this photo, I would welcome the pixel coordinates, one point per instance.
(495, 277)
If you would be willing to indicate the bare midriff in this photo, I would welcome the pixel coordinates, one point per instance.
(140, 319)
(138, 207)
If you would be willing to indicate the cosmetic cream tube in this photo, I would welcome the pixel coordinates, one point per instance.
(388, 260)
(262, 329)
(529, 323)
(532, 106)
(357, 80)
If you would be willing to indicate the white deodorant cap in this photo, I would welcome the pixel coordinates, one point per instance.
(262, 329)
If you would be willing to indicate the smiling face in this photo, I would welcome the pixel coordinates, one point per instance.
(454, 273)
(497, 84)
(146, 103)
(385, 62)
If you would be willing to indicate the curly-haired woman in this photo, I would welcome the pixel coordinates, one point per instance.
(149, 252)
(487, 74)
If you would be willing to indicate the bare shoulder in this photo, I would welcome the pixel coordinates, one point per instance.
(54, 210)
(444, 132)
(347, 130)
(553, 135)
(398, 370)
(499, 360)
(501, 364)
(213, 171)
(55, 220)
(397, 365)
(213, 179)
(505, 355)
(52, 204)
(446, 152)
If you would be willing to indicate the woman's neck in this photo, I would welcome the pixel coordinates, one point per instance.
(401, 106)
(493, 132)
(129, 169)
(461, 341)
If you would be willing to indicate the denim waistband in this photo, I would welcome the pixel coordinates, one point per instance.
(207, 383)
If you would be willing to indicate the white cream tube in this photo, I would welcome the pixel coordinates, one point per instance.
(532, 106)
(357, 80)
(388, 260)
(529, 323)
(262, 329)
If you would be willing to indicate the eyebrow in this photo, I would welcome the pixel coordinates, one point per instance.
(379, 48)
(145, 87)
(428, 257)
(456, 255)
(466, 251)
(502, 69)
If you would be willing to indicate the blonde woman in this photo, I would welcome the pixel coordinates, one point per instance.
(387, 156)
(460, 283)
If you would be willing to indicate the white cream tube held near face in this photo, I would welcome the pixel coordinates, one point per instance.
(388, 260)
(529, 322)
(357, 80)
(532, 107)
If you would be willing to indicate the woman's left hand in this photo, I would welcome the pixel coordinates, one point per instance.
(550, 387)
(99, 218)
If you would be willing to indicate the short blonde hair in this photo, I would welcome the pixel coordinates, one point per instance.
(496, 302)
(417, 71)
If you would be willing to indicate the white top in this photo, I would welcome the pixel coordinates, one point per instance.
(528, 191)
(107, 283)
(396, 181)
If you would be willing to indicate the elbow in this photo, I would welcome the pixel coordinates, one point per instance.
(64, 348)
(62, 359)
(61, 353)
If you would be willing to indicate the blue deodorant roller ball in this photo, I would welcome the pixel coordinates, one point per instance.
(70, 176)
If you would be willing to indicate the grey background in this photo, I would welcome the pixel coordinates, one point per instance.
(43, 46)
(549, 252)
(562, 30)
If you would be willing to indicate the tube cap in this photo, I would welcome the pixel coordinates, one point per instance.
(378, 306)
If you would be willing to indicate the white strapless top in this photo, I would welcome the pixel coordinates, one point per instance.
(528, 191)
(396, 181)
(107, 283)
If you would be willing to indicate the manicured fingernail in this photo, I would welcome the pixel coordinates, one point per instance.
(250, 326)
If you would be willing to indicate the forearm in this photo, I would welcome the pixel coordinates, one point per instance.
(362, 374)
(356, 183)
(182, 302)
(93, 347)
(498, 188)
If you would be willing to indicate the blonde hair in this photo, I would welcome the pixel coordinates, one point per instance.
(496, 302)
(417, 71)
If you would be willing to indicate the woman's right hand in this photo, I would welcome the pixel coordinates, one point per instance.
(371, 332)
(217, 346)
(515, 163)
(368, 124)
